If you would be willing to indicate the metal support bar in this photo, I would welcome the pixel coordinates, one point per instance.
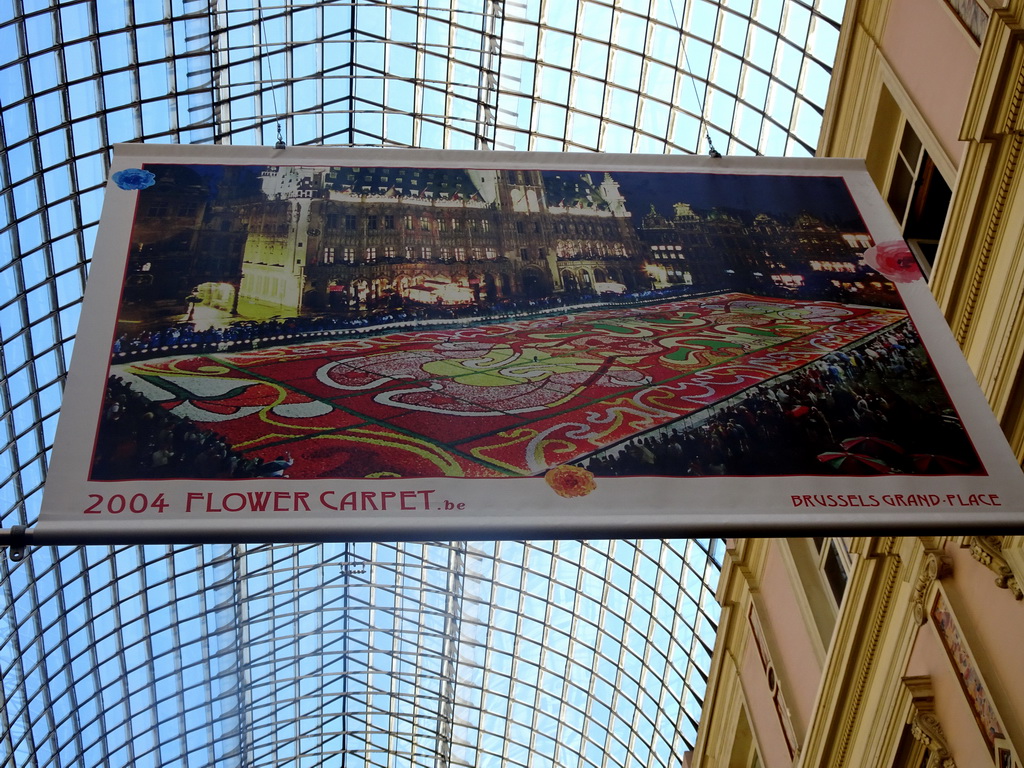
(17, 538)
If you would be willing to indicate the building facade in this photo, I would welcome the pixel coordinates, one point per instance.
(901, 651)
(932, 102)
(360, 238)
(766, 255)
(420, 654)
(290, 241)
(895, 651)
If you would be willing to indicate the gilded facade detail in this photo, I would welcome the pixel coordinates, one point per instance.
(924, 725)
(935, 567)
(985, 250)
(878, 618)
(988, 550)
(926, 728)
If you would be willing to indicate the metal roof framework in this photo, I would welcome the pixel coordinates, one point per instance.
(429, 654)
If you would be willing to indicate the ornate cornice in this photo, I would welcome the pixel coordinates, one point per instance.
(934, 567)
(883, 546)
(925, 727)
(988, 550)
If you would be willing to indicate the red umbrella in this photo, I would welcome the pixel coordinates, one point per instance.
(933, 464)
(872, 446)
(854, 463)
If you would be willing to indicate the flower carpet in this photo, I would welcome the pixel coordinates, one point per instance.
(505, 399)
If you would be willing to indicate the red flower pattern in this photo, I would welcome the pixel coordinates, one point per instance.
(569, 481)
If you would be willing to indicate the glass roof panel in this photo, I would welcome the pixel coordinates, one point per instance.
(447, 653)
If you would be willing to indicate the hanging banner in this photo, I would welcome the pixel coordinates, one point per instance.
(367, 344)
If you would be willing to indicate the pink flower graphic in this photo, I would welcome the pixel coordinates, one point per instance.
(894, 260)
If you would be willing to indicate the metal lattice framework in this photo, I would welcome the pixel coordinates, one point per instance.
(466, 653)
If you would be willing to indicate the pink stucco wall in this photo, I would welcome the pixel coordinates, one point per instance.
(934, 58)
(963, 736)
(793, 648)
(764, 721)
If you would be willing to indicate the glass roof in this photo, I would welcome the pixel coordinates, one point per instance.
(456, 653)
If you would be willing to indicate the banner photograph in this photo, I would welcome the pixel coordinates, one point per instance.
(358, 344)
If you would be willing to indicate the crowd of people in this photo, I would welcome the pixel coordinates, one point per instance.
(139, 439)
(884, 389)
(185, 337)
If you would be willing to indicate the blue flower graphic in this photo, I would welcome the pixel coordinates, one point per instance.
(134, 178)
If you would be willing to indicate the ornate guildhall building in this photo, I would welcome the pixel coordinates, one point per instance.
(351, 238)
(365, 239)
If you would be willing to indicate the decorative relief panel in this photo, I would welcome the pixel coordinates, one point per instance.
(966, 668)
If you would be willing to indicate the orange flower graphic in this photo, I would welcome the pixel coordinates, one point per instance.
(569, 481)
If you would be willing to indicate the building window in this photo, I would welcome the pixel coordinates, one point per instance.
(743, 752)
(371, 222)
(328, 255)
(350, 222)
(389, 221)
(350, 255)
(822, 566)
(919, 197)
(834, 564)
(424, 223)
